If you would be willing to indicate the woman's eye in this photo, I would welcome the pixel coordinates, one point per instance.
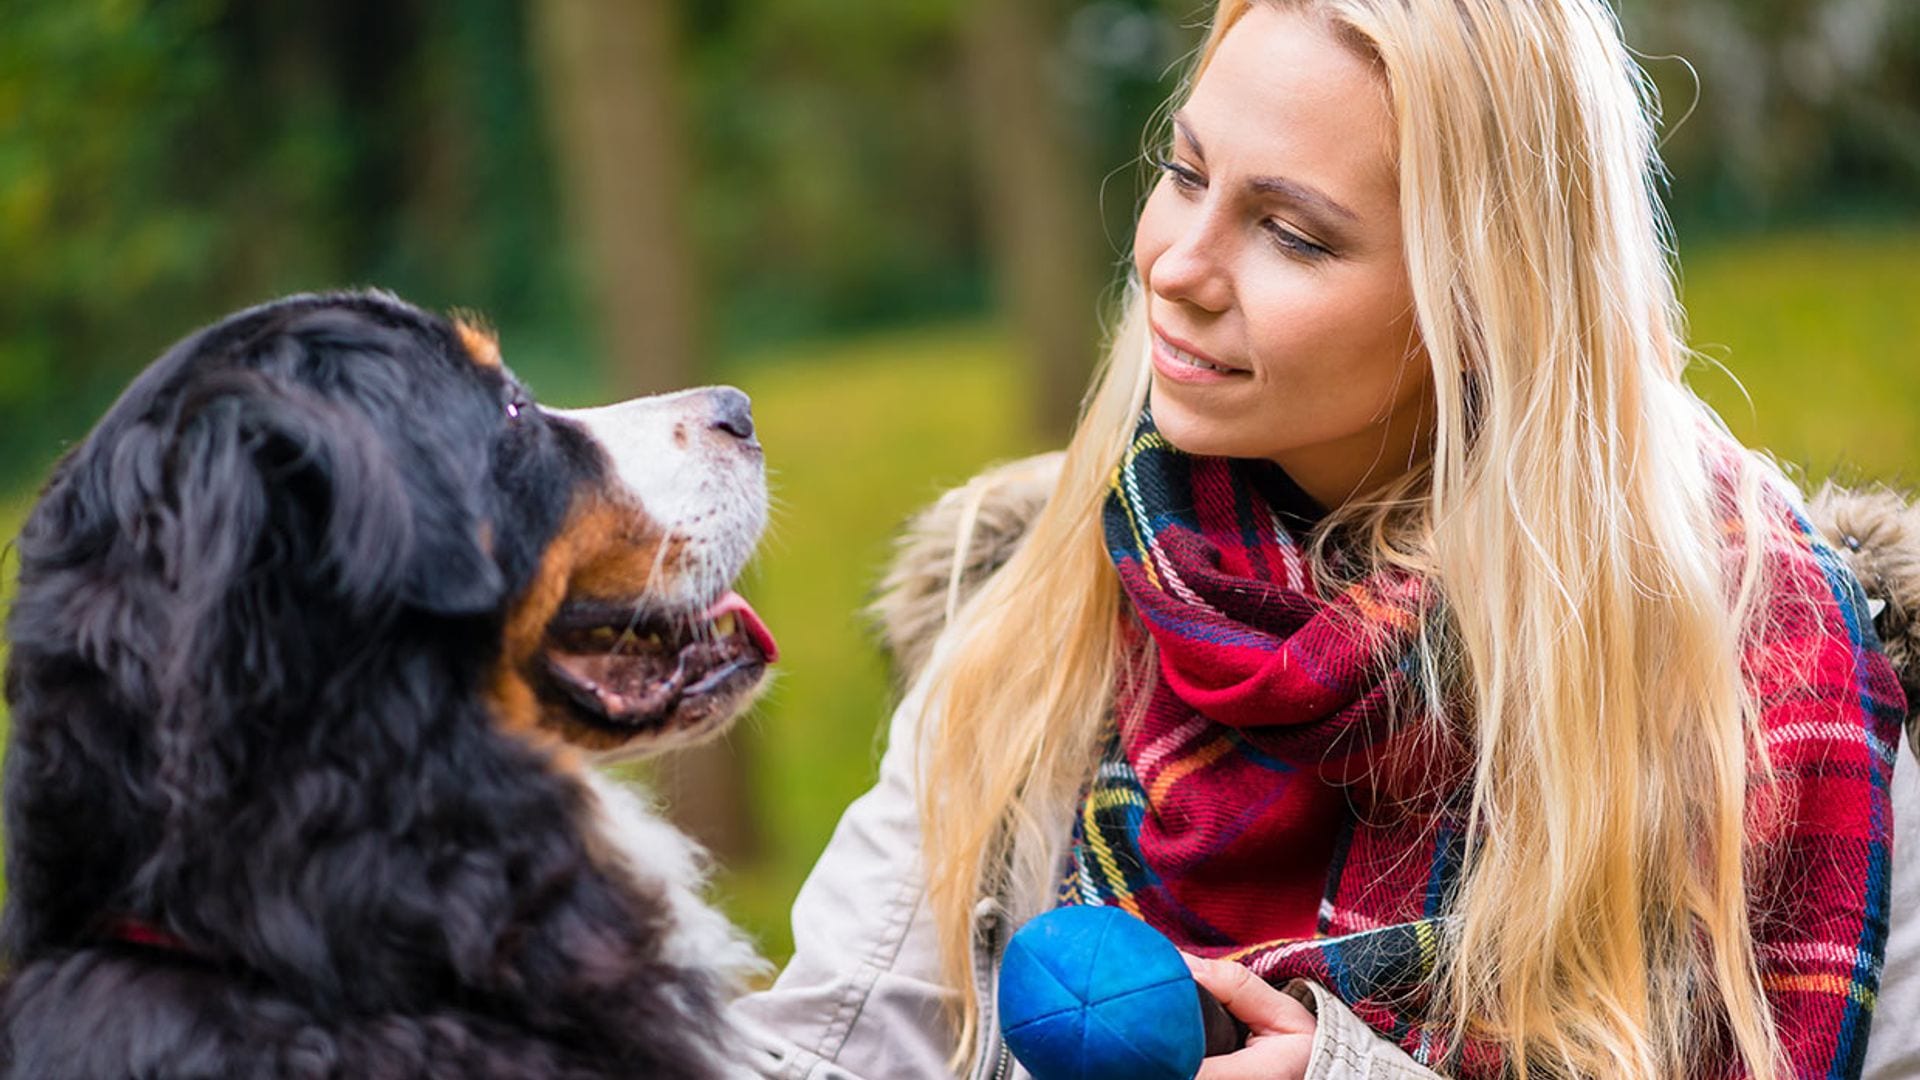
(1292, 242)
(1289, 241)
(1182, 176)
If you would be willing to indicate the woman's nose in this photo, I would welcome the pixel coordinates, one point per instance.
(1192, 268)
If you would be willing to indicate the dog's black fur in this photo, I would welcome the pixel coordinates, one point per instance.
(257, 608)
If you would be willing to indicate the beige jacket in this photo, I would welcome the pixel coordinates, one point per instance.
(862, 998)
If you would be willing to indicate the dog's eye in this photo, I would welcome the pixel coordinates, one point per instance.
(513, 410)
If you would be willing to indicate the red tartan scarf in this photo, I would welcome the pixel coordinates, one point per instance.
(1268, 702)
(1276, 792)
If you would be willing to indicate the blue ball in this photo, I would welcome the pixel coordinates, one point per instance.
(1092, 993)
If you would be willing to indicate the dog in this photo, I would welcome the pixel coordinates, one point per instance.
(318, 635)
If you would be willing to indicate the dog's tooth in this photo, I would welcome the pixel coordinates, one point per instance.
(725, 625)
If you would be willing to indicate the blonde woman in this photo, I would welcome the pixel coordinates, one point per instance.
(1399, 629)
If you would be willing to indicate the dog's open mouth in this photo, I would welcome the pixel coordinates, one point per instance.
(630, 669)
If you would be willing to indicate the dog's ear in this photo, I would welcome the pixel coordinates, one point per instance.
(265, 483)
(450, 569)
(256, 528)
(285, 488)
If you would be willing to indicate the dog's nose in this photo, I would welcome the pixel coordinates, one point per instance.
(733, 412)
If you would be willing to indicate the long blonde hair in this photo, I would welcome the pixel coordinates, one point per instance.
(1568, 518)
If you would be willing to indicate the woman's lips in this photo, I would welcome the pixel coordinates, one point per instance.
(1173, 359)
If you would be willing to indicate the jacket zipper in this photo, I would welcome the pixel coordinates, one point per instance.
(1004, 1065)
(995, 1063)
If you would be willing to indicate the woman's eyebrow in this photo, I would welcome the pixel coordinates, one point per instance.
(1302, 194)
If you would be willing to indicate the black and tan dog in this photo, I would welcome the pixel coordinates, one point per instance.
(315, 634)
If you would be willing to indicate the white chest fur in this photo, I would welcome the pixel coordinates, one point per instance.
(665, 862)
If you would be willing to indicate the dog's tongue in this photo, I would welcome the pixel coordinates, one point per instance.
(756, 629)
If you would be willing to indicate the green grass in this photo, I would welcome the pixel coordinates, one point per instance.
(1823, 330)
(1819, 326)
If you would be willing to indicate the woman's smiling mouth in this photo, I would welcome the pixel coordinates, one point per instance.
(1180, 362)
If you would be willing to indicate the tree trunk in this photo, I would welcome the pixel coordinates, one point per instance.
(610, 78)
(1042, 208)
(611, 89)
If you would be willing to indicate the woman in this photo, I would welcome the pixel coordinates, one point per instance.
(1400, 628)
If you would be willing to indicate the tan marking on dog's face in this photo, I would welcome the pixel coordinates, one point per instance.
(478, 339)
(518, 712)
(606, 551)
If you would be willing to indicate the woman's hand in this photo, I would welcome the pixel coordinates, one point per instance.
(1282, 1028)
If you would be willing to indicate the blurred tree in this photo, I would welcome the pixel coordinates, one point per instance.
(836, 189)
(1791, 107)
(1040, 197)
(610, 75)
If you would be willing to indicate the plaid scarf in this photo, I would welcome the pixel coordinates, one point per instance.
(1276, 792)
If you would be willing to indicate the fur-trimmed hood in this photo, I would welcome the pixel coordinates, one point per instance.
(949, 548)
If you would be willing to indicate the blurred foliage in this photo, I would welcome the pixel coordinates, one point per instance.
(92, 96)
(1784, 109)
(162, 162)
(836, 183)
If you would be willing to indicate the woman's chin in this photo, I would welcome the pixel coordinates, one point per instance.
(1194, 428)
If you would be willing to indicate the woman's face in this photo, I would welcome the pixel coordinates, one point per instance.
(1276, 284)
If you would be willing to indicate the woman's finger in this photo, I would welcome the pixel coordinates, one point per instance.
(1263, 1009)
(1267, 1057)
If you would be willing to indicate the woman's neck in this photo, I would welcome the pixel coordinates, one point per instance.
(1334, 473)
